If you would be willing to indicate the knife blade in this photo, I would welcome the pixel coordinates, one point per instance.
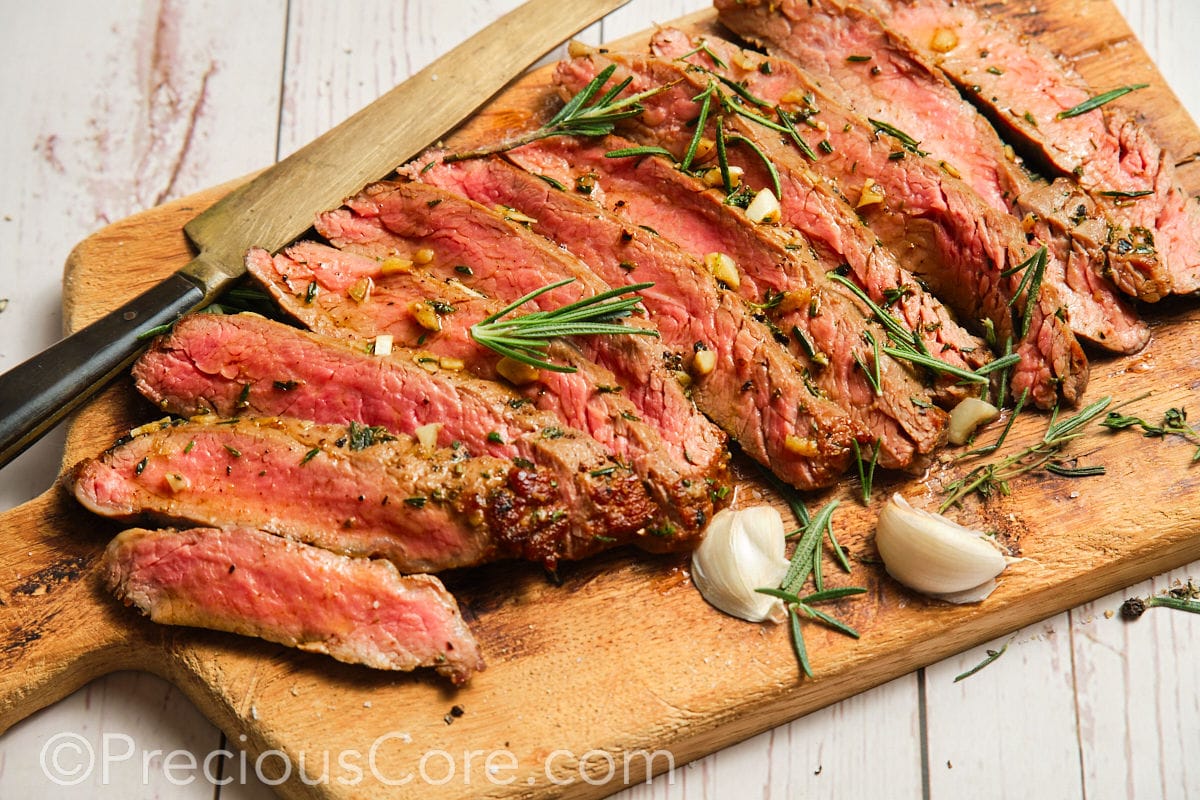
(281, 203)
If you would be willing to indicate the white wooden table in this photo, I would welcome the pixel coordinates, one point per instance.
(112, 107)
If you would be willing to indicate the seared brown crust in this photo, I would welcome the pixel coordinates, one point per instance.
(592, 399)
(247, 365)
(353, 491)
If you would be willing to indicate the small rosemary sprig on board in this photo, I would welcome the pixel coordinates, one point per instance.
(577, 117)
(988, 478)
(524, 338)
(805, 563)
(1174, 423)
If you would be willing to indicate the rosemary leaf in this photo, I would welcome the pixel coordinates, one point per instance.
(1095, 102)
(798, 642)
(992, 655)
(525, 338)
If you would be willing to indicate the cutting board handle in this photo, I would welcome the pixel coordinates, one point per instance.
(59, 628)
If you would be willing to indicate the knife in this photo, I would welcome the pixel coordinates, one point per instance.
(281, 203)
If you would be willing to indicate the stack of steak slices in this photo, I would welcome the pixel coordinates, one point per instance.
(909, 248)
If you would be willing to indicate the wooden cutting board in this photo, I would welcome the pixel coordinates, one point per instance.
(621, 658)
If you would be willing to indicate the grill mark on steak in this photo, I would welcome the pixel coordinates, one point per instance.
(245, 365)
(938, 224)
(959, 228)
(684, 302)
(756, 392)
(352, 491)
(591, 399)
(1156, 249)
(245, 581)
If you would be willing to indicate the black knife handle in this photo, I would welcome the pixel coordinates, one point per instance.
(36, 395)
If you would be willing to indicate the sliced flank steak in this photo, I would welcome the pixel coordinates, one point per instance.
(740, 376)
(933, 222)
(812, 207)
(430, 318)
(245, 581)
(1025, 88)
(883, 79)
(354, 490)
(507, 262)
(245, 365)
(688, 307)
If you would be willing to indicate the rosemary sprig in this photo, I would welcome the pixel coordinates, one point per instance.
(794, 135)
(992, 655)
(806, 562)
(1126, 195)
(525, 338)
(907, 142)
(989, 478)
(577, 117)
(1174, 424)
(1095, 102)
(1034, 269)
(866, 469)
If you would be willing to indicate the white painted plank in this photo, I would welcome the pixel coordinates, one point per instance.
(1008, 730)
(1139, 696)
(112, 108)
(823, 755)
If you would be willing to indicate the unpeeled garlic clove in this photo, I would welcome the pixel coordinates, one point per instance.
(742, 551)
(936, 556)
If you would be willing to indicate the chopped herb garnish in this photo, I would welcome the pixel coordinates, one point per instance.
(360, 437)
(310, 455)
(141, 465)
(495, 438)
(1099, 100)
(463, 269)
(311, 292)
(525, 338)
(415, 502)
(189, 447)
(995, 70)
(596, 473)
(630, 152)
(825, 146)
(233, 451)
(285, 386)
(556, 184)
(858, 59)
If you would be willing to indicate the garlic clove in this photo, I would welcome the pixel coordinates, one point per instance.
(975, 595)
(967, 416)
(932, 554)
(742, 551)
